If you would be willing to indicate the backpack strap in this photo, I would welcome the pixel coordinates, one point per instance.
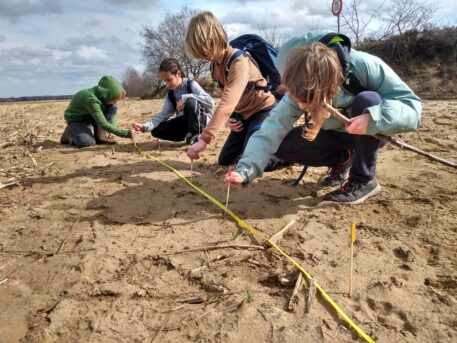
(189, 86)
(232, 58)
(251, 86)
(342, 46)
(171, 97)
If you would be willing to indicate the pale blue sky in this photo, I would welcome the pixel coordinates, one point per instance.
(54, 47)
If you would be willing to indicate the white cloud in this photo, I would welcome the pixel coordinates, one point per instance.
(68, 45)
(132, 2)
(91, 53)
(14, 9)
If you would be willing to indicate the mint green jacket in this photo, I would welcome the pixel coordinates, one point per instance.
(399, 110)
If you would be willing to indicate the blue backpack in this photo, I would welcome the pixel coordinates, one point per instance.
(265, 56)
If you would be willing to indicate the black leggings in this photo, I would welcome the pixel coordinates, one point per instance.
(330, 147)
(193, 120)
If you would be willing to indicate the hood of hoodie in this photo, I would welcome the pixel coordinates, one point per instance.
(337, 42)
(108, 88)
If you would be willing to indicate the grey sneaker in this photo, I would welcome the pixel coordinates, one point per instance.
(191, 138)
(337, 174)
(352, 192)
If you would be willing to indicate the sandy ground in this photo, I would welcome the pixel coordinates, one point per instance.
(91, 242)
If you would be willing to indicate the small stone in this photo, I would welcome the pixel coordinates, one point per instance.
(403, 252)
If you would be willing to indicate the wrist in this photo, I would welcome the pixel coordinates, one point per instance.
(244, 175)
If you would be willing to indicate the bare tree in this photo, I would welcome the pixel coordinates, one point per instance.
(133, 83)
(167, 40)
(357, 20)
(271, 35)
(407, 15)
(403, 20)
(310, 24)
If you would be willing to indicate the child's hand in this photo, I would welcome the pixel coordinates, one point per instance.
(180, 105)
(234, 179)
(137, 127)
(195, 149)
(359, 124)
(133, 133)
(109, 135)
(235, 125)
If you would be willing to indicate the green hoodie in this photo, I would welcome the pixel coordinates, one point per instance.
(91, 102)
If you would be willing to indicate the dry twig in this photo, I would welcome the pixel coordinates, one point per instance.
(278, 235)
(66, 237)
(294, 298)
(228, 246)
(394, 140)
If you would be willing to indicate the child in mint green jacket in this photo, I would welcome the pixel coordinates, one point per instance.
(320, 69)
(91, 115)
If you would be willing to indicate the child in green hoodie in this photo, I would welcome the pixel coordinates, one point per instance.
(92, 113)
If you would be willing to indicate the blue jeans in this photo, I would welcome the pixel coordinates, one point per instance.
(84, 132)
(236, 141)
(330, 147)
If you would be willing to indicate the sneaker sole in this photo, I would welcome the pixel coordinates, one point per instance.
(374, 192)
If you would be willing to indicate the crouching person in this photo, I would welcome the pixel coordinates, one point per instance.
(91, 115)
(320, 69)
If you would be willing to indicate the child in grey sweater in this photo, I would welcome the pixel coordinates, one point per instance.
(185, 97)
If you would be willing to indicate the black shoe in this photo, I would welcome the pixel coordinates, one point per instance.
(67, 137)
(276, 164)
(337, 174)
(352, 192)
(191, 138)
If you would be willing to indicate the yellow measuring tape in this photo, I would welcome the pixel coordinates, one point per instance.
(243, 224)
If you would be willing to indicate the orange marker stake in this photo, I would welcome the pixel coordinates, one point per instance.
(229, 173)
(353, 238)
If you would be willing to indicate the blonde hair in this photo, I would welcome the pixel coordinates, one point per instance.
(121, 96)
(312, 75)
(205, 36)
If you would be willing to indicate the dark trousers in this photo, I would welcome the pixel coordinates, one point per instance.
(236, 141)
(84, 132)
(331, 147)
(193, 120)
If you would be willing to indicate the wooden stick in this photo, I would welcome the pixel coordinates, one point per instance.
(6, 265)
(10, 184)
(311, 294)
(294, 298)
(351, 269)
(228, 246)
(160, 329)
(227, 200)
(158, 143)
(191, 169)
(5, 277)
(33, 160)
(66, 237)
(394, 140)
(229, 173)
(278, 235)
(351, 264)
(400, 143)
